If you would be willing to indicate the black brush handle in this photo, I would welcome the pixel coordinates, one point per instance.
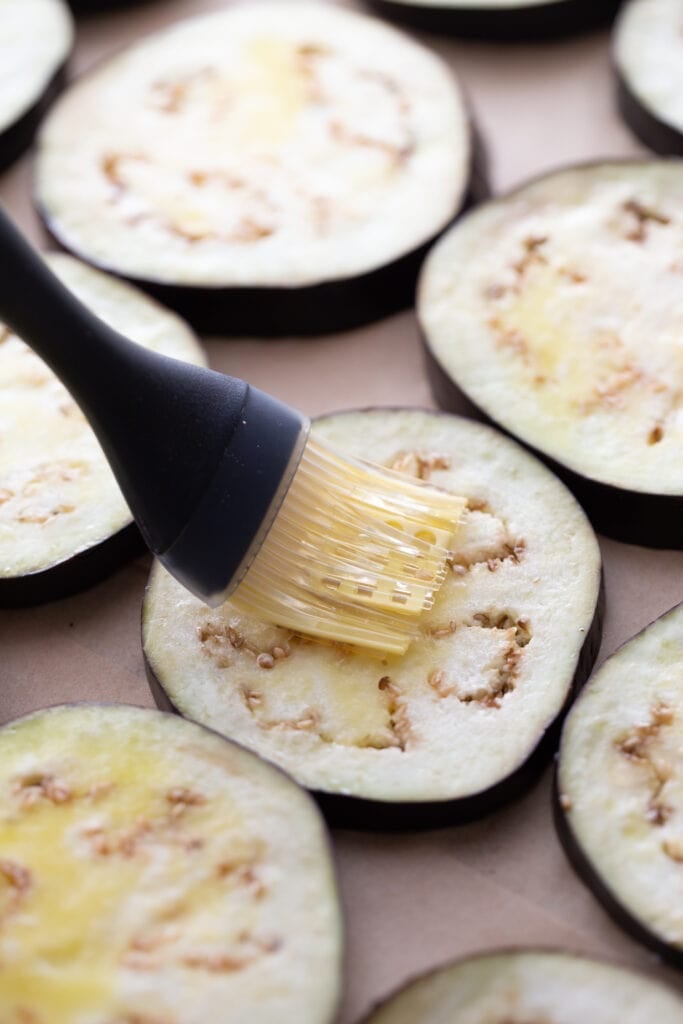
(196, 453)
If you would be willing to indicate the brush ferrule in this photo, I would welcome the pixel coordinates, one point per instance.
(224, 533)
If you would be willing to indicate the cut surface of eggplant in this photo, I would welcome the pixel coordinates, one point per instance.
(500, 19)
(152, 872)
(233, 169)
(648, 53)
(63, 520)
(36, 37)
(459, 723)
(620, 785)
(557, 311)
(533, 987)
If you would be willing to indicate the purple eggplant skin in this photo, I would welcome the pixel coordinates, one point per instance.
(350, 812)
(97, 6)
(524, 23)
(16, 138)
(632, 517)
(72, 575)
(587, 874)
(655, 134)
(328, 307)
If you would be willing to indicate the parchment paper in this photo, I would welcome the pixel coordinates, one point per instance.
(412, 901)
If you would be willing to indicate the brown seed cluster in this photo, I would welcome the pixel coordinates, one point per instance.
(219, 639)
(397, 709)
(16, 880)
(46, 477)
(508, 551)
(519, 635)
(419, 464)
(637, 745)
(640, 219)
(38, 788)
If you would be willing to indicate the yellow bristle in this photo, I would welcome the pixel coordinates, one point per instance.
(355, 554)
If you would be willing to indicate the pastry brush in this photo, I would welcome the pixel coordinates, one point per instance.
(227, 487)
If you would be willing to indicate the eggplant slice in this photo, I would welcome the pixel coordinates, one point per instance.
(532, 986)
(619, 806)
(153, 873)
(557, 312)
(504, 20)
(460, 723)
(63, 521)
(268, 169)
(36, 37)
(648, 54)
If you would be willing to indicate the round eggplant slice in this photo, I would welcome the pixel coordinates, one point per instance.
(505, 20)
(36, 37)
(648, 53)
(557, 312)
(264, 170)
(461, 722)
(619, 806)
(63, 521)
(532, 986)
(152, 872)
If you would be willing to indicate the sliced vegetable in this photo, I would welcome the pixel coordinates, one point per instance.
(620, 785)
(460, 723)
(530, 986)
(556, 311)
(63, 521)
(263, 169)
(152, 872)
(648, 53)
(36, 37)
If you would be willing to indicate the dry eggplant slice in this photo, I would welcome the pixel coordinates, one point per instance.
(232, 167)
(648, 54)
(504, 20)
(150, 871)
(36, 37)
(463, 721)
(530, 986)
(557, 311)
(619, 806)
(63, 521)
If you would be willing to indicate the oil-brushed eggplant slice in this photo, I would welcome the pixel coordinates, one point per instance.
(531, 986)
(36, 37)
(153, 873)
(463, 721)
(267, 169)
(500, 19)
(63, 521)
(557, 311)
(619, 801)
(648, 54)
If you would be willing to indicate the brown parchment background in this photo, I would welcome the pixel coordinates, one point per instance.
(412, 901)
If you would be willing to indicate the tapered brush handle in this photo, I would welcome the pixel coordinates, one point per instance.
(191, 449)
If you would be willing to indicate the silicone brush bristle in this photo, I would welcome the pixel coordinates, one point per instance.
(355, 554)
